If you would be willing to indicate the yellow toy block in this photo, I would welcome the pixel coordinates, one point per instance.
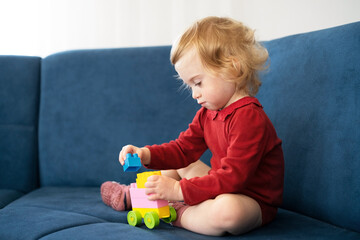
(163, 212)
(142, 178)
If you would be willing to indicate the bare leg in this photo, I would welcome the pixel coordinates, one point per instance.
(227, 213)
(196, 169)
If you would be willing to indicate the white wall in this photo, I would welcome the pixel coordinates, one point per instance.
(42, 27)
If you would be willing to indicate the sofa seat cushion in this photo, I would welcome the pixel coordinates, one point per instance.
(291, 225)
(83, 201)
(112, 231)
(79, 213)
(7, 196)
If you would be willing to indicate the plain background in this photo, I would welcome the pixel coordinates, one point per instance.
(43, 27)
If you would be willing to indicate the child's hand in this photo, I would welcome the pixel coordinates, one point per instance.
(163, 187)
(143, 153)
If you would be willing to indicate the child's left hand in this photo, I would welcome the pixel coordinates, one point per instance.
(163, 187)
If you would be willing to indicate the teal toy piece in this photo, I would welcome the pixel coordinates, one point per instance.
(132, 163)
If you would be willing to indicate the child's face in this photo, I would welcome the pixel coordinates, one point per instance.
(210, 92)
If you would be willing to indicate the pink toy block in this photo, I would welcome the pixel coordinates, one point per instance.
(144, 203)
(137, 193)
(139, 199)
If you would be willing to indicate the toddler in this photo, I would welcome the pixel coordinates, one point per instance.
(219, 60)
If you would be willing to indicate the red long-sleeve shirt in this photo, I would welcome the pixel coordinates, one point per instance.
(247, 154)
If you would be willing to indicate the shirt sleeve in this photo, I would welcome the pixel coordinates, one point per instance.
(186, 149)
(247, 137)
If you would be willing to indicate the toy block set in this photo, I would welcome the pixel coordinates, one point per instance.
(149, 210)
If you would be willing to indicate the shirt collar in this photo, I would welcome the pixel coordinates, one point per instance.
(223, 113)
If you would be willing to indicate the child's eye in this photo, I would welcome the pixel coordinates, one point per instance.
(198, 83)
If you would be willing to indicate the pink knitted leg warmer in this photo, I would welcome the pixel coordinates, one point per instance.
(116, 195)
(180, 208)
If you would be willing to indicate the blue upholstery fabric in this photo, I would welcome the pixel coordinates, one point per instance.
(312, 94)
(94, 102)
(7, 196)
(78, 213)
(19, 106)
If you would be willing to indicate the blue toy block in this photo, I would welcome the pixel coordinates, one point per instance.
(132, 163)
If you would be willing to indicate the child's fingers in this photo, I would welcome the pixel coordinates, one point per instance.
(125, 150)
(153, 197)
(153, 178)
(149, 186)
(121, 160)
(151, 193)
(151, 181)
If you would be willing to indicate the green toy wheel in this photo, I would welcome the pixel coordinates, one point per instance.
(134, 218)
(172, 217)
(151, 219)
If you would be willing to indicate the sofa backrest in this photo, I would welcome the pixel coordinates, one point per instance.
(311, 92)
(94, 102)
(19, 107)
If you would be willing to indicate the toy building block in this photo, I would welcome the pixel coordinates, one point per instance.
(132, 163)
(142, 178)
(151, 211)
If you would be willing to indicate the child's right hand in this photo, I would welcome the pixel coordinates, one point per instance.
(143, 153)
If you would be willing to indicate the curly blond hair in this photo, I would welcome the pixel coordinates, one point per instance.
(227, 48)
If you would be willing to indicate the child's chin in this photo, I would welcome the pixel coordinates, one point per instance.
(211, 108)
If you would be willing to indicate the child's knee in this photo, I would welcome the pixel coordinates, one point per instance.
(227, 211)
(234, 215)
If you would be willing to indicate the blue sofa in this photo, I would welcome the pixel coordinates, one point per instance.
(64, 119)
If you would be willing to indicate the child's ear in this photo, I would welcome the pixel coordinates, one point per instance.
(236, 64)
(238, 70)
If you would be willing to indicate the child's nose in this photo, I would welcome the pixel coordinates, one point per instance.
(195, 94)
